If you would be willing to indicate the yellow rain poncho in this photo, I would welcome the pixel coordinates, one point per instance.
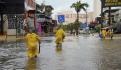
(60, 34)
(104, 33)
(32, 43)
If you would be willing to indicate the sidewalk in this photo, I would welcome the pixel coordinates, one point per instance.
(10, 38)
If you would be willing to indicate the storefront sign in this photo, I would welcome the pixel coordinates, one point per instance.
(111, 3)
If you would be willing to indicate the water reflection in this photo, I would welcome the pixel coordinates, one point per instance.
(76, 53)
(58, 49)
(31, 64)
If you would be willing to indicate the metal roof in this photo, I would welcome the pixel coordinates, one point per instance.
(12, 6)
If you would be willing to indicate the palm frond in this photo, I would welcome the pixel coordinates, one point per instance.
(78, 6)
(85, 4)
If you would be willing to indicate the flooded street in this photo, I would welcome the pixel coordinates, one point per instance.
(77, 53)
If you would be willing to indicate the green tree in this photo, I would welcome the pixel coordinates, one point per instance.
(45, 9)
(76, 27)
(78, 6)
(48, 10)
(71, 28)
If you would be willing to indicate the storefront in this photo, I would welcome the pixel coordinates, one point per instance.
(14, 15)
(46, 23)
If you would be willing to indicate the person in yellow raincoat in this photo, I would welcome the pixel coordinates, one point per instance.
(60, 35)
(32, 41)
(104, 33)
(111, 33)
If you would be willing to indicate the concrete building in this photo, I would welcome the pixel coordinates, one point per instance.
(70, 17)
(96, 8)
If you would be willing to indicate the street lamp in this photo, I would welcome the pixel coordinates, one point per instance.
(86, 15)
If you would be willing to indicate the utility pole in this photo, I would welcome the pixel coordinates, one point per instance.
(109, 22)
(101, 14)
(86, 16)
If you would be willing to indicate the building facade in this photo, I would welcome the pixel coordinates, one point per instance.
(14, 18)
(96, 8)
(70, 17)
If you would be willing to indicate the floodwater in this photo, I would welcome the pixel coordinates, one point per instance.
(77, 53)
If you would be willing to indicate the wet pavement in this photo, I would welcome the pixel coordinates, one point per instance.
(77, 53)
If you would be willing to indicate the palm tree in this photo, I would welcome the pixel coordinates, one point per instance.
(78, 6)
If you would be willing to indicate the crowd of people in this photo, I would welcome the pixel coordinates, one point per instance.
(104, 33)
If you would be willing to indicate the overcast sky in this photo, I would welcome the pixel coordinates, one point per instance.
(62, 5)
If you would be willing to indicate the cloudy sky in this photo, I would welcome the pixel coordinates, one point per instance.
(64, 5)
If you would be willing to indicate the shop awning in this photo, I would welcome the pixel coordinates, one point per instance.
(112, 11)
(108, 27)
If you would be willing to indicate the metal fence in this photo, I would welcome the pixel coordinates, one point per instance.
(13, 21)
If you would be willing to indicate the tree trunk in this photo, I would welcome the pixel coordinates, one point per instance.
(76, 24)
(77, 16)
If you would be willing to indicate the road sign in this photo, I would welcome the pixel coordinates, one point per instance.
(61, 18)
